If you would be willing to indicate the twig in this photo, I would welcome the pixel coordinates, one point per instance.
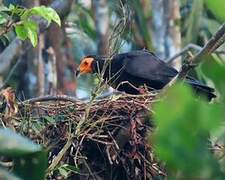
(183, 51)
(7, 28)
(188, 48)
(216, 41)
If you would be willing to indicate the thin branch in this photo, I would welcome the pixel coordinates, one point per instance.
(192, 61)
(188, 48)
(216, 41)
(8, 26)
(184, 51)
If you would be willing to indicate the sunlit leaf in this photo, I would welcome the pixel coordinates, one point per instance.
(28, 30)
(31, 28)
(51, 13)
(45, 12)
(21, 32)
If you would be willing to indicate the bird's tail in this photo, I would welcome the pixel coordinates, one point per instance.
(201, 89)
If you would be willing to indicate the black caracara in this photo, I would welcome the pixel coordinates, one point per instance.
(129, 71)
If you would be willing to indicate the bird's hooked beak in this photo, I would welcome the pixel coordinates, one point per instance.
(77, 73)
(85, 66)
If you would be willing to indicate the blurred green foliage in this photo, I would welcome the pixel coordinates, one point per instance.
(185, 123)
(14, 145)
(214, 69)
(5, 175)
(217, 8)
(66, 169)
(181, 139)
(30, 160)
(193, 22)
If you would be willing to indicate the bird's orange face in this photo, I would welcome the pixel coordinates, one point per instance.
(85, 66)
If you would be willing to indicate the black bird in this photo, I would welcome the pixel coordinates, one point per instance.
(129, 71)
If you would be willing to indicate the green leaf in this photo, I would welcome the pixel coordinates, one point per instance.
(66, 169)
(182, 132)
(31, 28)
(11, 7)
(15, 145)
(217, 7)
(28, 30)
(49, 119)
(4, 8)
(31, 166)
(214, 69)
(2, 20)
(21, 32)
(7, 176)
(52, 14)
(45, 12)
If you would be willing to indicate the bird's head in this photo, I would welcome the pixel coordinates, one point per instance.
(86, 65)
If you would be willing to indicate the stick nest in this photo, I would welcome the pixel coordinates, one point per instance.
(105, 139)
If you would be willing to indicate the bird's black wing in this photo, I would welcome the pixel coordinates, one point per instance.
(146, 65)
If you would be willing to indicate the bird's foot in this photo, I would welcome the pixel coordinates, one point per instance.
(143, 90)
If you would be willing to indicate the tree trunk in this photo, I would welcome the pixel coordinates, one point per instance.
(101, 13)
(55, 40)
(166, 33)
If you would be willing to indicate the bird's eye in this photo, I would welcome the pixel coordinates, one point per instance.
(85, 63)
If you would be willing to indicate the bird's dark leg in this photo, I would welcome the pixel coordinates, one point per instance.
(141, 90)
(127, 82)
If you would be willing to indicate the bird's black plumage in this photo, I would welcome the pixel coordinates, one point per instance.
(129, 71)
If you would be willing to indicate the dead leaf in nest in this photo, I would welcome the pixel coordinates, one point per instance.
(9, 97)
